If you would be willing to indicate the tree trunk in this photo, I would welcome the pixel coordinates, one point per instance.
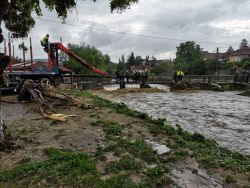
(3, 6)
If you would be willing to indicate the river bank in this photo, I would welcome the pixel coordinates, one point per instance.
(223, 117)
(245, 93)
(107, 147)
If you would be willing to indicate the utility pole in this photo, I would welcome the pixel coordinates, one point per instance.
(61, 54)
(31, 55)
(5, 48)
(217, 65)
(24, 60)
(13, 50)
(9, 44)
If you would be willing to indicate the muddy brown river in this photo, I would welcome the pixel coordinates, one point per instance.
(222, 116)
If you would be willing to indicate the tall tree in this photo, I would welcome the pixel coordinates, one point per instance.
(189, 58)
(123, 60)
(189, 51)
(230, 49)
(24, 49)
(138, 60)
(89, 53)
(153, 58)
(121, 64)
(18, 14)
(147, 60)
(131, 60)
(244, 43)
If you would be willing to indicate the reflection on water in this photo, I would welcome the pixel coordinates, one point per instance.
(224, 117)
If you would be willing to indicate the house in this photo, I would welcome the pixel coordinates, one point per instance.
(239, 55)
(140, 68)
(207, 56)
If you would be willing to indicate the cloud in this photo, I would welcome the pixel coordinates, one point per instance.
(212, 23)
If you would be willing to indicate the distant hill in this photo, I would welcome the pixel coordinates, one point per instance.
(42, 60)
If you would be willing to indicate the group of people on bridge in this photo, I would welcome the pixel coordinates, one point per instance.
(131, 77)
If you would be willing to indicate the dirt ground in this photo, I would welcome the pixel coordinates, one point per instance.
(129, 90)
(32, 133)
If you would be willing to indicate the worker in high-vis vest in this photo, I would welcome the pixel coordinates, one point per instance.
(45, 42)
(180, 74)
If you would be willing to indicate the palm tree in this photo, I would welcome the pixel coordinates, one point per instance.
(24, 49)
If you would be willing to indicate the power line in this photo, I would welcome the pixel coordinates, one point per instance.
(132, 34)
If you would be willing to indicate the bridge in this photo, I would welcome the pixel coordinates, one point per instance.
(220, 79)
(92, 80)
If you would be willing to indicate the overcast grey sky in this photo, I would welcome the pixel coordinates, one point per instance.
(211, 23)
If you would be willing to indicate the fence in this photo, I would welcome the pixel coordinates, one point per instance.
(198, 78)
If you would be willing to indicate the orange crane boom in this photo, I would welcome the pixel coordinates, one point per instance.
(80, 60)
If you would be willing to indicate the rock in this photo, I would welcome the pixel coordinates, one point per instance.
(159, 148)
(216, 87)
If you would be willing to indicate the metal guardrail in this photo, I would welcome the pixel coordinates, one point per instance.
(210, 78)
(199, 78)
(163, 79)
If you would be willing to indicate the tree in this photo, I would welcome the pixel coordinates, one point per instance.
(147, 60)
(189, 51)
(18, 14)
(244, 43)
(160, 68)
(211, 66)
(199, 68)
(153, 58)
(111, 67)
(138, 60)
(121, 64)
(24, 49)
(189, 58)
(230, 49)
(131, 60)
(91, 55)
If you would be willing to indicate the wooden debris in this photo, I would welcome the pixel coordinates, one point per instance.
(51, 91)
(58, 117)
(47, 96)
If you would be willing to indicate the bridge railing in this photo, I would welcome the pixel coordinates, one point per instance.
(209, 78)
(160, 79)
(194, 78)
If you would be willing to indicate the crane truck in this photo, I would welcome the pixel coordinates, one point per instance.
(43, 72)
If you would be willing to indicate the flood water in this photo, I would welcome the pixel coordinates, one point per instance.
(222, 116)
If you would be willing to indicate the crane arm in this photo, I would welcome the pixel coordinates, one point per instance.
(77, 58)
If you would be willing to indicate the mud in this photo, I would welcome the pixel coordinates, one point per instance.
(32, 133)
(224, 117)
(13, 110)
(130, 89)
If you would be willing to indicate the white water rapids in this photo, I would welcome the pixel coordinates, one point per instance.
(222, 116)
